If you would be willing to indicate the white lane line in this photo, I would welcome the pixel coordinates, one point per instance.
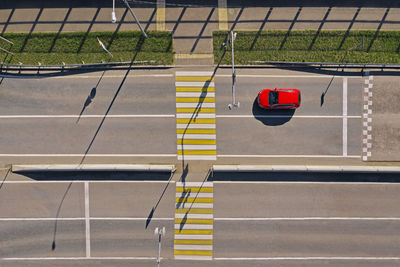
(344, 143)
(284, 76)
(192, 257)
(197, 157)
(88, 155)
(82, 181)
(288, 116)
(85, 116)
(215, 219)
(87, 220)
(184, 115)
(306, 258)
(77, 258)
(286, 156)
(312, 219)
(113, 76)
(311, 183)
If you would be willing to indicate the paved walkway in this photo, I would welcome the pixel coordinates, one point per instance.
(192, 26)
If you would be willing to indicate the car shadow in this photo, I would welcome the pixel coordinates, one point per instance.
(272, 117)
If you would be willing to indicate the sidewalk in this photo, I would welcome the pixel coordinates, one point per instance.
(192, 26)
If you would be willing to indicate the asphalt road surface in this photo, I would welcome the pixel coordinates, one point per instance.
(65, 116)
(93, 223)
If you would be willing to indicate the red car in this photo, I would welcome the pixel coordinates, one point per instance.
(279, 98)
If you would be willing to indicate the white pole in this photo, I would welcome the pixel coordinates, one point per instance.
(234, 104)
(113, 17)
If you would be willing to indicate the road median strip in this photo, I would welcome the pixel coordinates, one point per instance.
(92, 167)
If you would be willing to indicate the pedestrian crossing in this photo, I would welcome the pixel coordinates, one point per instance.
(194, 221)
(195, 116)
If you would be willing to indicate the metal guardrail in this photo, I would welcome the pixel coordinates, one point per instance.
(330, 65)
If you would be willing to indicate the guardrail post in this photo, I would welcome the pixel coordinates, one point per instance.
(39, 64)
(20, 66)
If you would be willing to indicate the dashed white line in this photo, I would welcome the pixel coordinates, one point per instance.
(345, 117)
(87, 220)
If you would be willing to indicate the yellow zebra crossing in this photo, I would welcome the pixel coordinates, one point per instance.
(194, 221)
(195, 116)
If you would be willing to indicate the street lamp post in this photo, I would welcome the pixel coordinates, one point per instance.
(113, 17)
(160, 232)
(234, 104)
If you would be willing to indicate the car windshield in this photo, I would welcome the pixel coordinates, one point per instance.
(273, 98)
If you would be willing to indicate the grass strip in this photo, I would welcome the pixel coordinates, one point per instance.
(310, 46)
(73, 48)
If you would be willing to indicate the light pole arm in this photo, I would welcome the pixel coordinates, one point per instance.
(136, 20)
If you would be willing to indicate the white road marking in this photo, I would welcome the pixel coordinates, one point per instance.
(113, 76)
(194, 73)
(193, 247)
(197, 195)
(215, 219)
(189, 226)
(322, 183)
(194, 84)
(306, 258)
(195, 116)
(87, 155)
(193, 216)
(183, 115)
(196, 147)
(195, 126)
(312, 219)
(288, 116)
(286, 156)
(82, 181)
(196, 136)
(87, 219)
(344, 143)
(283, 76)
(192, 257)
(184, 205)
(195, 94)
(78, 258)
(197, 157)
(195, 105)
(86, 116)
(200, 237)
(194, 184)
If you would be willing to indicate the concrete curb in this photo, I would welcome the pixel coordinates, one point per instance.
(93, 167)
(302, 168)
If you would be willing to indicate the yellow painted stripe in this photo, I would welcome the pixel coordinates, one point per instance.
(194, 221)
(223, 19)
(194, 78)
(186, 121)
(195, 110)
(193, 252)
(192, 199)
(192, 242)
(194, 211)
(195, 189)
(194, 89)
(192, 56)
(195, 131)
(196, 142)
(193, 232)
(195, 99)
(197, 152)
(160, 26)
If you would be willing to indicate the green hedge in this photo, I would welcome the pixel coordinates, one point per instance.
(307, 46)
(71, 48)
